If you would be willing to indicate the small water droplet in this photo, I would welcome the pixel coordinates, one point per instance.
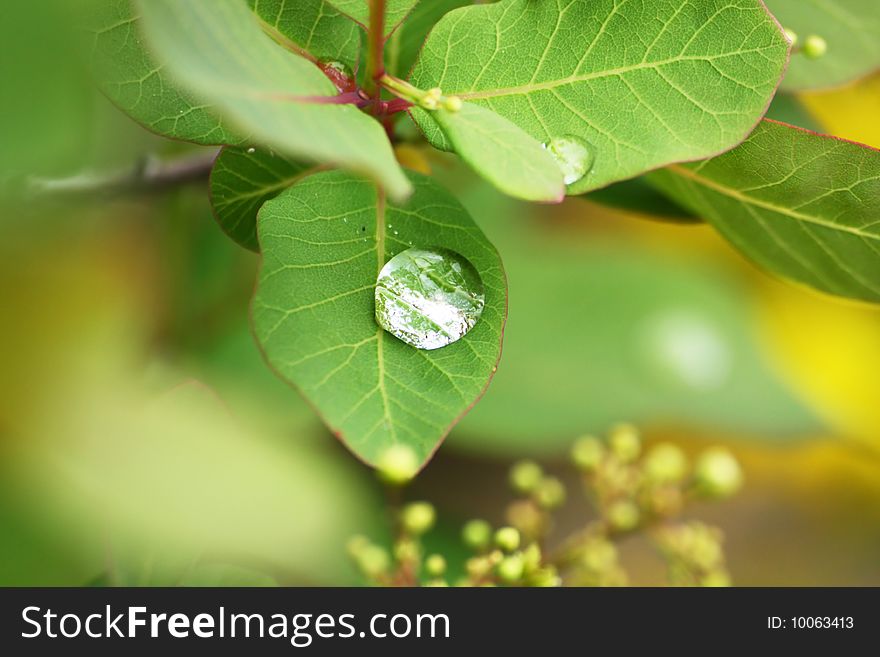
(395, 232)
(251, 150)
(428, 298)
(345, 220)
(574, 156)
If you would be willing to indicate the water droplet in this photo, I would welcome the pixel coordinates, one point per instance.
(428, 298)
(574, 156)
(345, 220)
(251, 150)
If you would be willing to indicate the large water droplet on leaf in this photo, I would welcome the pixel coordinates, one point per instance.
(573, 155)
(428, 298)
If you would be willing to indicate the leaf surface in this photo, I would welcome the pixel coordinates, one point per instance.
(851, 28)
(405, 43)
(359, 11)
(502, 153)
(803, 205)
(643, 83)
(241, 181)
(324, 241)
(217, 50)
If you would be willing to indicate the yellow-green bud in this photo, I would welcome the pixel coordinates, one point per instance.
(453, 104)
(625, 442)
(406, 550)
(507, 538)
(665, 464)
(587, 453)
(550, 493)
(525, 476)
(532, 557)
(792, 36)
(717, 473)
(435, 565)
(815, 46)
(510, 569)
(397, 465)
(546, 577)
(623, 515)
(477, 534)
(527, 518)
(599, 555)
(418, 517)
(373, 560)
(478, 567)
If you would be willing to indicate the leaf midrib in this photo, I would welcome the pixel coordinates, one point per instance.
(750, 200)
(553, 84)
(380, 356)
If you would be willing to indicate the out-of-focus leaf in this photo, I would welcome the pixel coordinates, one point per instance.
(404, 44)
(602, 331)
(359, 10)
(241, 181)
(314, 311)
(217, 50)
(502, 153)
(802, 205)
(789, 108)
(689, 81)
(851, 28)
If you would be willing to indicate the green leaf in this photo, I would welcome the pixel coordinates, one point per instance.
(359, 11)
(602, 329)
(851, 28)
(312, 27)
(788, 108)
(644, 83)
(241, 181)
(218, 51)
(404, 44)
(502, 153)
(803, 205)
(324, 241)
(130, 77)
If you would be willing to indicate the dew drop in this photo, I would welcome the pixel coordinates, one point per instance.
(251, 150)
(574, 156)
(428, 298)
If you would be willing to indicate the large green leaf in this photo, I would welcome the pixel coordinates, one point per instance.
(644, 83)
(502, 153)
(359, 10)
(803, 205)
(217, 50)
(405, 43)
(850, 27)
(241, 181)
(602, 330)
(130, 77)
(314, 28)
(324, 241)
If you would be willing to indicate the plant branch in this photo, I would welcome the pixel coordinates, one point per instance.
(148, 176)
(375, 49)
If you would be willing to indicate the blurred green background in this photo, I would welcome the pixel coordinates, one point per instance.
(143, 441)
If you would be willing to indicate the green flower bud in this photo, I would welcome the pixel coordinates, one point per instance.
(625, 442)
(717, 473)
(453, 104)
(792, 36)
(665, 464)
(599, 555)
(587, 453)
(550, 493)
(478, 567)
(435, 565)
(527, 518)
(525, 476)
(532, 558)
(418, 517)
(815, 46)
(507, 538)
(623, 515)
(477, 534)
(397, 465)
(510, 569)
(546, 577)
(373, 560)
(407, 550)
